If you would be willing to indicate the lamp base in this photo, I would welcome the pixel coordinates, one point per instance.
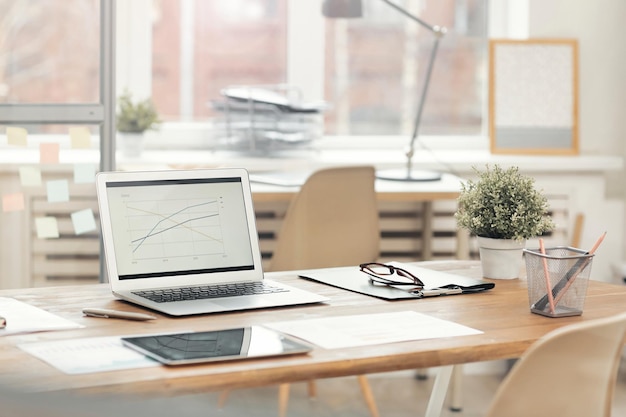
(402, 175)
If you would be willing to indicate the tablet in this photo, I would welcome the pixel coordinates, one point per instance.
(216, 345)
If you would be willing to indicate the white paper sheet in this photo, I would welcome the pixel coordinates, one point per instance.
(95, 354)
(25, 318)
(371, 329)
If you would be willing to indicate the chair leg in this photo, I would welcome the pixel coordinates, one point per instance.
(312, 387)
(283, 399)
(421, 374)
(221, 401)
(283, 396)
(367, 394)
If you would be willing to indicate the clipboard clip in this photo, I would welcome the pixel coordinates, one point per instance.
(435, 292)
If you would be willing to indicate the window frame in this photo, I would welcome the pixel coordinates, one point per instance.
(101, 113)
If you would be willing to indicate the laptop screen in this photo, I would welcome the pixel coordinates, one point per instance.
(183, 226)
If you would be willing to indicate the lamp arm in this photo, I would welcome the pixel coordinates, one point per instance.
(420, 106)
(435, 29)
(438, 31)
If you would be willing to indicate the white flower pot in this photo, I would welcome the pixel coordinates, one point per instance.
(131, 144)
(501, 258)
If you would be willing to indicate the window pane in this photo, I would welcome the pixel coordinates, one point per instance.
(376, 66)
(235, 42)
(49, 51)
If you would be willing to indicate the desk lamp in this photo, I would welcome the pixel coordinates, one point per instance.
(352, 9)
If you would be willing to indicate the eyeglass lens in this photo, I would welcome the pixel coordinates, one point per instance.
(380, 269)
(384, 271)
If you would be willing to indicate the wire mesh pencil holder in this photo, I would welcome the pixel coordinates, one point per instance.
(565, 271)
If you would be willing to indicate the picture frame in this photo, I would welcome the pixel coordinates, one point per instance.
(533, 96)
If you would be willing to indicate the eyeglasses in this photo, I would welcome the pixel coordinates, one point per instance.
(381, 274)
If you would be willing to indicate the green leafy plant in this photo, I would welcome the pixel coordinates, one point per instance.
(136, 117)
(503, 204)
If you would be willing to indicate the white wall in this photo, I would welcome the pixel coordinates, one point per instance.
(599, 27)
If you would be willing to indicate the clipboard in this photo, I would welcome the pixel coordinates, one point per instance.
(353, 279)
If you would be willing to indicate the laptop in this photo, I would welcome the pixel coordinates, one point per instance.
(184, 242)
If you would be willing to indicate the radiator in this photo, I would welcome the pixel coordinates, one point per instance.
(410, 231)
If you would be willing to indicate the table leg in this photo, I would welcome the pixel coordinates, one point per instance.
(440, 389)
(456, 389)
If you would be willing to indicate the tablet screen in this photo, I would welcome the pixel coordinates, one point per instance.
(216, 345)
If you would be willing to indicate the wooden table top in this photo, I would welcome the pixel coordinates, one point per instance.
(502, 314)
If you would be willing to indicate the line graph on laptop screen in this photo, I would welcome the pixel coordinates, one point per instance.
(175, 227)
(165, 228)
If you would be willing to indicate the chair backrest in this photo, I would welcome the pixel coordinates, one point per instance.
(570, 372)
(332, 221)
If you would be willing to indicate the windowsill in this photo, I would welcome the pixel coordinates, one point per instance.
(383, 152)
(439, 153)
(459, 161)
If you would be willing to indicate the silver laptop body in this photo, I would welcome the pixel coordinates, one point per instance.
(164, 231)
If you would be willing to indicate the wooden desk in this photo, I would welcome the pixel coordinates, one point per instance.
(502, 314)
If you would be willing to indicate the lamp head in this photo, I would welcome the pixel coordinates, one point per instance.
(342, 8)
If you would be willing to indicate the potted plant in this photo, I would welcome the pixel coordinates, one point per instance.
(503, 209)
(133, 119)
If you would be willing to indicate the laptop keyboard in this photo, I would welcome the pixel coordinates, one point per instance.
(203, 292)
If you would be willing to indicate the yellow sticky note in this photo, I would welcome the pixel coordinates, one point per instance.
(30, 176)
(80, 137)
(47, 227)
(58, 191)
(17, 136)
(83, 221)
(49, 153)
(13, 202)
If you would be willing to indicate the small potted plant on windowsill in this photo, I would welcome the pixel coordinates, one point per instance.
(503, 209)
(133, 119)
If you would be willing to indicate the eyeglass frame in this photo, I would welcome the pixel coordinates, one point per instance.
(380, 279)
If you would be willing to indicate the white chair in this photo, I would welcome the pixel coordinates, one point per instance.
(332, 221)
(569, 372)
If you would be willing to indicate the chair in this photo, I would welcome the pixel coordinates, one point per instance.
(577, 230)
(456, 386)
(570, 372)
(332, 221)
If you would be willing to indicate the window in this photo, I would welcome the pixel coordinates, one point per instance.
(376, 65)
(49, 52)
(370, 70)
(203, 46)
(55, 65)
